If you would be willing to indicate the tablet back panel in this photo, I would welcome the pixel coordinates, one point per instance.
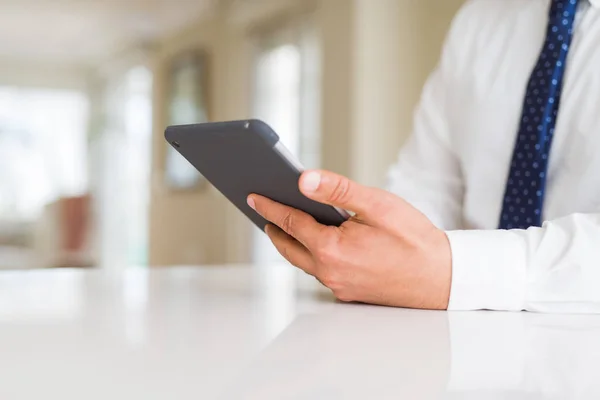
(244, 157)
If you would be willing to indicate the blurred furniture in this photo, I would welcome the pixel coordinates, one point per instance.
(63, 236)
(271, 333)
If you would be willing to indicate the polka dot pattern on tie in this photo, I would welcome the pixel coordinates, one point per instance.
(524, 196)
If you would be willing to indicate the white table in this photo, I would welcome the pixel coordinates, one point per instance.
(265, 333)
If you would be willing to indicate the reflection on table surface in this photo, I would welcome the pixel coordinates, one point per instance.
(271, 333)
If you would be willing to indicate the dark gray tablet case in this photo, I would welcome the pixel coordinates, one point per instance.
(240, 158)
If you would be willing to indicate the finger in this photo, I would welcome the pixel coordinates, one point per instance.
(291, 249)
(295, 223)
(339, 191)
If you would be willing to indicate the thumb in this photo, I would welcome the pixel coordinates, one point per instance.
(339, 191)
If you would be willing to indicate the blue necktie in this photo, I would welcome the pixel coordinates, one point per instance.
(524, 196)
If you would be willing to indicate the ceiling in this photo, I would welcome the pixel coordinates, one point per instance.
(87, 31)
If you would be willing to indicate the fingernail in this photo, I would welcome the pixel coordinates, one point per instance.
(250, 202)
(311, 181)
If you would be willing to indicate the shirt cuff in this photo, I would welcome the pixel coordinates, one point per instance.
(488, 270)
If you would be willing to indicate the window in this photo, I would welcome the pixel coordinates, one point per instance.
(123, 161)
(43, 149)
(43, 157)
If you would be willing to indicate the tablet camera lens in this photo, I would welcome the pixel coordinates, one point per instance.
(176, 144)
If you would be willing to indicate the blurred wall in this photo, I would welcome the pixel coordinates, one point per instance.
(376, 57)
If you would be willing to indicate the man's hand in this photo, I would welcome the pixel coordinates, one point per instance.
(388, 253)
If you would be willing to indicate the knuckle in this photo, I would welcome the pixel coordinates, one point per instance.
(330, 280)
(284, 251)
(343, 296)
(333, 280)
(287, 223)
(328, 252)
(341, 192)
(326, 255)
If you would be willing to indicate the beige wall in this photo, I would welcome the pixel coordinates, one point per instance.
(376, 56)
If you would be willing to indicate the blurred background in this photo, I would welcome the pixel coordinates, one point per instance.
(88, 87)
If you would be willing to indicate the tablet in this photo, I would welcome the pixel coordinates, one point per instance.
(246, 157)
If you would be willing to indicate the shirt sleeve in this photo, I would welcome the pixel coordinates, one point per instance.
(428, 173)
(554, 269)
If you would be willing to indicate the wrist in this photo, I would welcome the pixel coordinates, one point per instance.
(440, 271)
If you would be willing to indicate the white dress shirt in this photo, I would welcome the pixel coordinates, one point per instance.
(455, 166)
